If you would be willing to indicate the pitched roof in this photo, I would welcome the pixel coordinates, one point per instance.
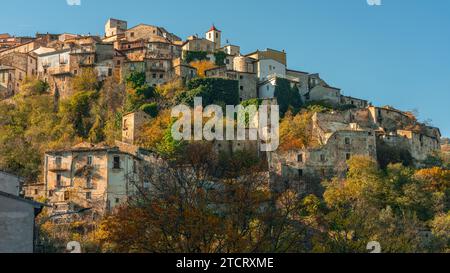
(213, 28)
(31, 202)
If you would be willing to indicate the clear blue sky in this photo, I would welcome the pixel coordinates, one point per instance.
(396, 54)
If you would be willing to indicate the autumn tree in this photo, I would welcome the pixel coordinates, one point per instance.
(202, 66)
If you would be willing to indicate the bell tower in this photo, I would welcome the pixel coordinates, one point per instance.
(214, 35)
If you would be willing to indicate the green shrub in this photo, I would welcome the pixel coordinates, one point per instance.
(220, 58)
(150, 109)
(212, 91)
(288, 97)
(195, 56)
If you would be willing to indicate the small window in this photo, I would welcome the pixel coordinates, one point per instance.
(300, 172)
(110, 72)
(300, 158)
(154, 75)
(88, 195)
(36, 192)
(322, 158)
(89, 182)
(117, 200)
(347, 141)
(50, 193)
(241, 88)
(116, 163)
(66, 196)
(58, 180)
(134, 166)
(161, 76)
(90, 160)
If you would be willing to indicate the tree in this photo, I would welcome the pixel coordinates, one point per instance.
(390, 206)
(287, 96)
(296, 131)
(188, 210)
(86, 81)
(202, 66)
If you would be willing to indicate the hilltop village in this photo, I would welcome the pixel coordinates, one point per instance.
(353, 126)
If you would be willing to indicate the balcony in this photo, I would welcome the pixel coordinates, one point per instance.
(58, 167)
(62, 69)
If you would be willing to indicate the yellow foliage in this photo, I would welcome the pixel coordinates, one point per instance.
(202, 66)
(154, 130)
(295, 131)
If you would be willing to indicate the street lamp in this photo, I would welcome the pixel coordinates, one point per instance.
(38, 226)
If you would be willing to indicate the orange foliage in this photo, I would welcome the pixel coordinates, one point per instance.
(295, 131)
(436, 178)
(202, 66)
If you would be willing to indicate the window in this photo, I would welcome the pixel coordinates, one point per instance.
(117, 200)
(161, 76)
(89, 182)
(154, 75)
(58, 161)
(347, 141)
(75, 72)
(300, 158)
(90, 160)
(132, 34)
(110, 72)
(66, 196)
(88, 195)
(348, 156)
(116, 163)
(36, 192)
(241, 88)
(58, 180)
(134, 166)
(322, 158)
(300, 172)
(50, 193)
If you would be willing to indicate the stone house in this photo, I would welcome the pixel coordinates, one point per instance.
(182, 70)
(337, 143)
(97, 176)
(8, 84)
(15, 67)
(358, 103)
(132, 126)
(146, 32)
(232, 50)
(211, 43)
(114, 27)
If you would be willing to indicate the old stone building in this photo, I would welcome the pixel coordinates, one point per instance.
(97, 176)
(182, 70)
(15, 67)
(132, 126)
